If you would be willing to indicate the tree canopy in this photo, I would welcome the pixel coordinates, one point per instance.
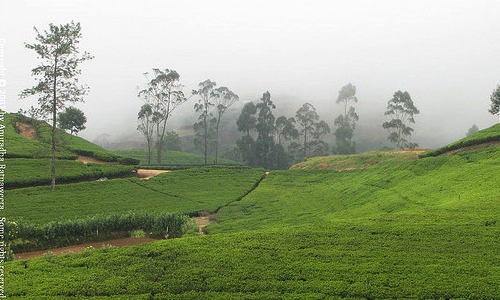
(402, 112)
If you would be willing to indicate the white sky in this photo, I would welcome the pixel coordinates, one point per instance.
(446, 54)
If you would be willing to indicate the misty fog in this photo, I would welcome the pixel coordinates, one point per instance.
(444, 53)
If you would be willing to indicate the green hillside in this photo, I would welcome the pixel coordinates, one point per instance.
(486, 137)
(358, 161)
(402, 228)
(173, 158)
(68, 146)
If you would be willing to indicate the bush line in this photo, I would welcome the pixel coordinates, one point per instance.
(24, 237)
(459, 145)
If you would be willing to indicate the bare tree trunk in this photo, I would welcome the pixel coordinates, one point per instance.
(206, 138)
(217, 141)
(54, 122)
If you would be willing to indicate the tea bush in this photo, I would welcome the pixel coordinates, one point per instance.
(26, 237)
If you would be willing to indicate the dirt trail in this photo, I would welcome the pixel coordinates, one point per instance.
(26, 130)
(92, 160)
(147, 174)
(81, 247)
(202, 222)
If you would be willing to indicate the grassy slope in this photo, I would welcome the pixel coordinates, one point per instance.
(23, 172)
(488, 135)
(358, 161)
(414, 229)
(69, 146)
(184, 191)
(172, 157)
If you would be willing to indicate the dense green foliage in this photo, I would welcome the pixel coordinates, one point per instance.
(72, 119)
(30, 236)
(173, 158)
(401, 229)
(24, 172)
(186, 191)
(488, 135)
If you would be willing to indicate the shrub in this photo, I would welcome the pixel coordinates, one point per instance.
(128, 161)
(26, 237)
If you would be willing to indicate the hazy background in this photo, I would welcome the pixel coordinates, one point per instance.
(444, 53)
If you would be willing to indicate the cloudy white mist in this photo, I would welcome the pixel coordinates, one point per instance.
(444, 53)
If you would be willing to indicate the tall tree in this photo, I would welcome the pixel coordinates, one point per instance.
(246, 122)
(306, 118)
(495, 102)
(311, 128)
(345, 132)
(402, 112)
(72, 119)
(265, 127)
(146, 126)
(164, 94)
(347, 94)
(285, 129)
(346, 123)
(224, 98)
(203, 107)
(60, 56)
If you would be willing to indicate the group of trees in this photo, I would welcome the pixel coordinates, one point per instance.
(57, 48)
(272, 142)
(161, 96)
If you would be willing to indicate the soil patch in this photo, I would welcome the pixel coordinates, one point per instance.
(483, 145)
(91, 160)
(146, 174)
(81, 247)
(26, 130)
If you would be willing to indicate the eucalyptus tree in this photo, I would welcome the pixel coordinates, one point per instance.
(207, 97)
(164, 94)
(72, 119)
(246, 122)
(306, 118)
(60, 58)
(495, 102)
(402, 112)
(146, 126)
(265, 128)
(224, 98)
(311, 128)
(346, 123)
(286, 129)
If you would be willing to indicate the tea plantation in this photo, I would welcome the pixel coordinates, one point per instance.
(382, 227)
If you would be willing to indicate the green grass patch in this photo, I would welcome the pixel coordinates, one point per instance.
(185, 191)
(409, 229)
(485, 136)
(354, 161)
(68, 146)
(22, 172)
(173, 158)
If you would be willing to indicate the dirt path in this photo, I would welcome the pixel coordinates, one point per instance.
(202, 222)
(88, 160)
(81, 247)
(483, 145)
(147, 174)
(26, 130)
